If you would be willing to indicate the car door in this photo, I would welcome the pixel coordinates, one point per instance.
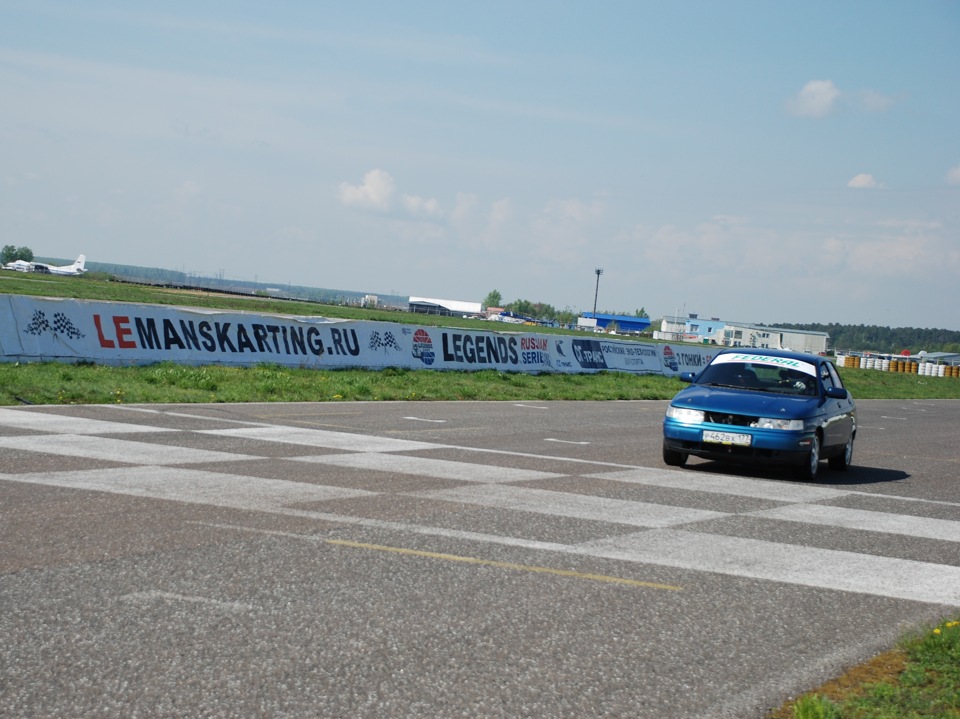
(839, 415)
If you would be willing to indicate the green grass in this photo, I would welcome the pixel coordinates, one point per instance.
(55, 383)
(925, 684)
(85, 383)
(926, 687)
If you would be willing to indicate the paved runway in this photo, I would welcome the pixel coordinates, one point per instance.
(450, 559)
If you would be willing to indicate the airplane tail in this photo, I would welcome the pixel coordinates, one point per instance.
(80, 263)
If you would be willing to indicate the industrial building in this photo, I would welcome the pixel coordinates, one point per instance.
(740, 334)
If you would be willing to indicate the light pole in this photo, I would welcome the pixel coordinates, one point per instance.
(599, 272)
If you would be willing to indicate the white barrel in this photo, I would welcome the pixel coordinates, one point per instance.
(941, 370)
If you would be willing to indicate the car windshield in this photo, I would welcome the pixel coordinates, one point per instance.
(760, 377)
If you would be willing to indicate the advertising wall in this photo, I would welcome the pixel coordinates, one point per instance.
(114, 333)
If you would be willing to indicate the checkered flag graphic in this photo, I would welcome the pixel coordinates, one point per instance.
(38, 324)
(385, 342)
(61, 325)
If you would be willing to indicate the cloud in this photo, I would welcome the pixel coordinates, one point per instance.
(481, 227)
(566, 230)
(874, 101)
(815, 99)
(375, 192)
(573, 210)
(864, 181)
(953, 175)
(422, 207)
(189, 188)
(501, 211)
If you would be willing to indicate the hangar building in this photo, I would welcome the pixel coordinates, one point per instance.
(448, 308)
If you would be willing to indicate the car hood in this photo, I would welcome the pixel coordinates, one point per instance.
(737, 401)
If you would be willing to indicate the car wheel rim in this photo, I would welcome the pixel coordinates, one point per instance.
(848, 454)
(814, 456)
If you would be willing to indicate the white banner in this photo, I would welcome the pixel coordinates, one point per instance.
(115, 333)
(686, 358)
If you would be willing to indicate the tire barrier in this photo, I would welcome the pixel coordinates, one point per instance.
(902, 366)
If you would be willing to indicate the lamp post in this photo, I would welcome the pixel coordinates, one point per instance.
(599, 272)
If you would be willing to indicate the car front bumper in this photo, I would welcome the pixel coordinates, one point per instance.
(767, 446)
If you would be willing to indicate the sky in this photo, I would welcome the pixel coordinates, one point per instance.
(753, 160)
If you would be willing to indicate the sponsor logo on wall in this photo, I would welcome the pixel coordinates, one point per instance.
(670, 359)
(589, 354)
(423, 347)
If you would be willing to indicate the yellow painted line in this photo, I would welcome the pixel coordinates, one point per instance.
(505, 565)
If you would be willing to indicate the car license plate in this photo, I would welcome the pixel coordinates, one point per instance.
(727, 438)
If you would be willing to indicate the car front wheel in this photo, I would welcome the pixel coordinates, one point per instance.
(674, 458)
(808, 470)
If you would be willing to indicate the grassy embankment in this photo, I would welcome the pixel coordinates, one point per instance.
(918, 679)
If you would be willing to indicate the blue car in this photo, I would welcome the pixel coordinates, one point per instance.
(763, 406)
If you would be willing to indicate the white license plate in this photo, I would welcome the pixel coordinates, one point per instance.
(737, 438)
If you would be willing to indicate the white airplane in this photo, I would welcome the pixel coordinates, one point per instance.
(77, 268)
(19, 266)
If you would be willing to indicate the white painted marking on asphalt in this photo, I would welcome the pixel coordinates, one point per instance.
(193, 486)
(563, 441)
(186, 415)
(883, 416)
(795, 564)
(58, 424)
(324, 438)
(725, 484)
(792, 564)
(529, 406)
(532, 455)
(117, 450)
(565, 504)
(422, 419)
(906, 525)
(171, 597)
(420, 529)
(426, 467)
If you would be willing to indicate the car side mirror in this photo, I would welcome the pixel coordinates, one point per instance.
(687, 376)
(836, 393)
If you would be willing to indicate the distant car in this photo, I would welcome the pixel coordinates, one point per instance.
(763, 406)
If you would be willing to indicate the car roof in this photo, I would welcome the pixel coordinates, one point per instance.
(790, 354)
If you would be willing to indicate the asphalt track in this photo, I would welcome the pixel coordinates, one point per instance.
(476, 559)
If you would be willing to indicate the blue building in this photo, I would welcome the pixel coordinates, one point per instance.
(624, 324)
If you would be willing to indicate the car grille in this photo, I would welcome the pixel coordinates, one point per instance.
(737, 420)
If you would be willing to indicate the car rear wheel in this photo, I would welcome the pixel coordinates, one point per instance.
(673, 458)
(842, 461)
(808, 470)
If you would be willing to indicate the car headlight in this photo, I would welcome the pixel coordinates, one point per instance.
(775, 423)
(687, 416)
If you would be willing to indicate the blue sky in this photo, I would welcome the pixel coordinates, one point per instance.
(758, 161)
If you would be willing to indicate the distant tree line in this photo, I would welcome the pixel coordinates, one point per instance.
(893, 340)
(543, 311)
